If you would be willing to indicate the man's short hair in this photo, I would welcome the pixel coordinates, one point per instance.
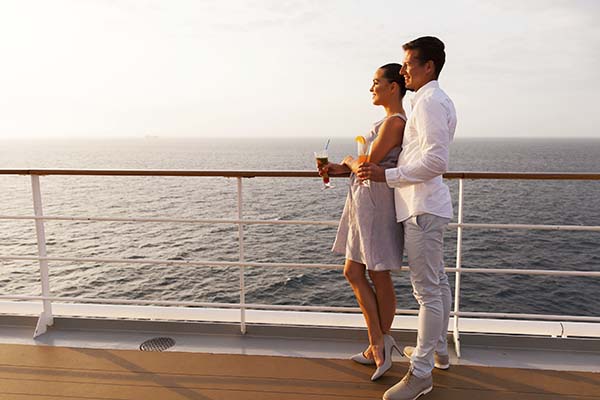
(430, 48)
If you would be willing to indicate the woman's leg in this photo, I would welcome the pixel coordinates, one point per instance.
(355, 274)
(386, 298)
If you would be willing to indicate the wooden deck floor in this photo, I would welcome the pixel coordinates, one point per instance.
(53, 373)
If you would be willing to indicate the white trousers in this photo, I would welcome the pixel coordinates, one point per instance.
(423, 241)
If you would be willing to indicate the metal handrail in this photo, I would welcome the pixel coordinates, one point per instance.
(590, 228)
(46, 317)
(291, 173)
(211, 263)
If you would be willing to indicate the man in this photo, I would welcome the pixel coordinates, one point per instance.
(424, 207)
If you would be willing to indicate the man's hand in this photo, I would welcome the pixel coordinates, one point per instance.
(371, 171)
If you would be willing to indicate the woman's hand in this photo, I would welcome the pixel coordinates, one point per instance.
(351, 163)
(333, 169)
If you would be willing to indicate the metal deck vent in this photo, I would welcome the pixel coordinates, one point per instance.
(157, 344)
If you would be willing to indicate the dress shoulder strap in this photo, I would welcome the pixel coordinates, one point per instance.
(398, 115)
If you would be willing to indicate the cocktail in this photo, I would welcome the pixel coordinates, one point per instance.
(322, 160)
(363, 154)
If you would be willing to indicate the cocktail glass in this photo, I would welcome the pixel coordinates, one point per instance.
(322, 160)
(363, 155)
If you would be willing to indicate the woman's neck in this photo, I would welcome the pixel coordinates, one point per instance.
(393, 109)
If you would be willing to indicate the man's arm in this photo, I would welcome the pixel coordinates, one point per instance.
(434, 138)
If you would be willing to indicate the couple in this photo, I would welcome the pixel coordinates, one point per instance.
(405, 206)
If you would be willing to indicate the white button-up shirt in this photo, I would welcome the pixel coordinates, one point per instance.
(418, 184)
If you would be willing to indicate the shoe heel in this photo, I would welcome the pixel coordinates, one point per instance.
(395, 346)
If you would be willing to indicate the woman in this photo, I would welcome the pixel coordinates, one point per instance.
(368, 233)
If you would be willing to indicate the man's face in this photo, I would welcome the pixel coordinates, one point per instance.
(415, 72)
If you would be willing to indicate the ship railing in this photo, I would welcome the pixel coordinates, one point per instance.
(587, 324)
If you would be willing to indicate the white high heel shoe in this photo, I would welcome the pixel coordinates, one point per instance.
(361, 359)
(389, 344)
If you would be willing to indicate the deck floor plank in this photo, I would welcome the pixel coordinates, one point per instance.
(53, 373)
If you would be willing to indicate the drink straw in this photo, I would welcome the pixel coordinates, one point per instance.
(327, 144)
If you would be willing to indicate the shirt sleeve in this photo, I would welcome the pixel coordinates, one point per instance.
(434, 141)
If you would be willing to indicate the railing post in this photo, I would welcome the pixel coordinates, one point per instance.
(241, 245)
(46, 318)
(456, 331)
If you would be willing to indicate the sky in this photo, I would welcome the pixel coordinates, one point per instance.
(289, 68)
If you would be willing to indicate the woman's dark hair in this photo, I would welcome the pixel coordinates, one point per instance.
(391, 72)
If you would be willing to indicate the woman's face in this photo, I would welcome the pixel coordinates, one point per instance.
(381, 89)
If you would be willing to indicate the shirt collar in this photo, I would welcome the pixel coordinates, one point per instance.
(431, 84)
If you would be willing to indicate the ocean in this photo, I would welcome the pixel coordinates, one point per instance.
(486, 201)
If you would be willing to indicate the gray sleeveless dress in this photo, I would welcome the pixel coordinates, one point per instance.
(368, 232)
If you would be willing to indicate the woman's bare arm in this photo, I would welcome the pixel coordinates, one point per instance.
(389, 136)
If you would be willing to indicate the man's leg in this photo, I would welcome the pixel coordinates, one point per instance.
(442, 346)
(424, 247)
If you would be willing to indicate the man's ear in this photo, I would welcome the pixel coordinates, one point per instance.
(430, 67)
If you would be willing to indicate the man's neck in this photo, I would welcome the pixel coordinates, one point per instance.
(425, 84)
